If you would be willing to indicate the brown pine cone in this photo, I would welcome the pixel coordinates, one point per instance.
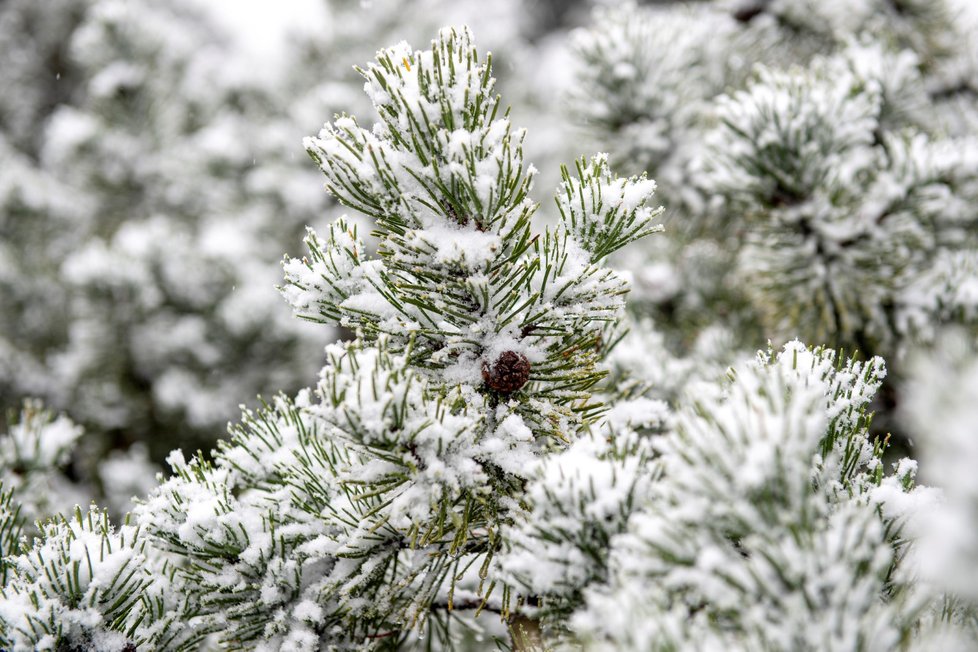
(508, 373)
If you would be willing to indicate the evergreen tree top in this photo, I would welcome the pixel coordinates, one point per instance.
(460, 276)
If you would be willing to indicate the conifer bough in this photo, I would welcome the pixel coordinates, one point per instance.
(491, 329)
(459, 456)
(370, 509)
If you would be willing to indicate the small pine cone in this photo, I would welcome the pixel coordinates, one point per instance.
(508, 373)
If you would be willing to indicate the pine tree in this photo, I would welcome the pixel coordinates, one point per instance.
(483, 462)
(763, 519)
(373, 507)
(828, 194)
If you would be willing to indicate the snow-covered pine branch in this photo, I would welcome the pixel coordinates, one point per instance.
(67, 577)
(374, 506)
(35, 455)
(82, 585)
(835, 189)
(458, 266)
(493, 449)
(755, 523)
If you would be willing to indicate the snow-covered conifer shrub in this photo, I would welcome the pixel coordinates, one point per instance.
(372, 507)
(763, 519)
(839, 211)
(491, 459)
(819, 172)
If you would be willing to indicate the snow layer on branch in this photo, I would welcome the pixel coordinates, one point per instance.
(755, 525)
(851, 223)
(439, 128)
(310, 500)
(81, 584)
(428, 455)
(39, 441)
(458, 267)
(605, 212)
(249, 543)
(643, 75)
(784, 135)
(580, 499)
